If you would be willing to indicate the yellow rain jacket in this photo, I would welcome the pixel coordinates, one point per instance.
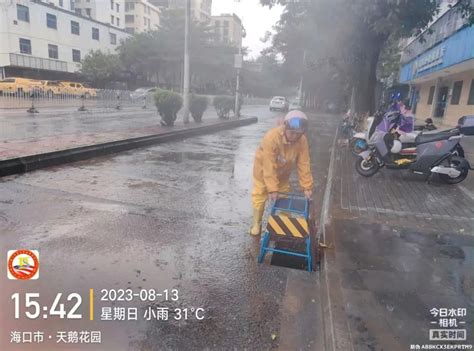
(274, 161)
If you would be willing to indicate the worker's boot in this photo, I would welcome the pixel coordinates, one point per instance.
(257, 221)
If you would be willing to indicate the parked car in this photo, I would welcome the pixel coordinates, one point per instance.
(79, 89)
(279, 103)
(15, 85)
(52, 87)
(140, 93)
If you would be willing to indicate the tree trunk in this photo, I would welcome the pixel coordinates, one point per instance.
(367, 80)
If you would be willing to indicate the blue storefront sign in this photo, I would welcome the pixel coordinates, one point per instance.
(456, 49)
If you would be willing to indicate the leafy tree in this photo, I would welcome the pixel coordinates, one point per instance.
(100, 68)
(142, 55)
(158, 55)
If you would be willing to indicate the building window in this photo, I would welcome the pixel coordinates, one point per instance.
(76, 55)
(117, 7)
(22, 13)
(112, 19)
(129, 6)
(130, 30)
(78, 11)
(61, 3)
(75, 29)
(129, 18)
(113, 38)
(95, 33)
(470, 99)
(457, 89)
(144, 21)
(431, 95)
(217, 23)
(88, 12)
(71, 5)
(118, 22)
(226, 23)
(53, 51)
(51, 21)
(111, 4)
(25, 46)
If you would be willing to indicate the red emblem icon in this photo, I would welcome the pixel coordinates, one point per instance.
(23, 264)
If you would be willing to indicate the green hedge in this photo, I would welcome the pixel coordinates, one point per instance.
(168, 104)
(198, 104)
(223, 105)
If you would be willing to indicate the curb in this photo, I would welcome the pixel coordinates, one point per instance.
(34, 162)
(337, 333)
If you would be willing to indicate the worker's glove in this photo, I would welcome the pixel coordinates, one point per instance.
(273, 196)
(308, 193)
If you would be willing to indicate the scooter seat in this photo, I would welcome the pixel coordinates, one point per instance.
(429, 138)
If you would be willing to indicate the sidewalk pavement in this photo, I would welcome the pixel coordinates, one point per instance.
(399, 247)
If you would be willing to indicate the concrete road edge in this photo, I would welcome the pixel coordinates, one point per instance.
(337, 333)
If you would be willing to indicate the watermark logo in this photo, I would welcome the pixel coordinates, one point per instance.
(23, 264)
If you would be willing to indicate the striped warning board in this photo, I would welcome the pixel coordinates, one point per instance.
(288, 226)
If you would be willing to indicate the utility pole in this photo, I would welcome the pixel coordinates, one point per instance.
(300, 90)
(186, 62)
(238, 65)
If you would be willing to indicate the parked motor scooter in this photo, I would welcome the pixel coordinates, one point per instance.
(404, 125)
(437, 153)
(359, 141)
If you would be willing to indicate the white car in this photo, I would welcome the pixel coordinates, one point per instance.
(279, 103)
(141, 93)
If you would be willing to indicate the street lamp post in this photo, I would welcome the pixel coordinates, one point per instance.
(186, 63)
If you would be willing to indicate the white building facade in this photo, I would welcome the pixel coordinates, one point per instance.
(44, 41)
(105, 11)
(228, 29)
(141, 16)
(200, 9)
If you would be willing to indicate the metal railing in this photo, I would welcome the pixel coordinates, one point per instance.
(103, 98)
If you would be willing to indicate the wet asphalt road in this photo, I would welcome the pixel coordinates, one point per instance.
(171, 216)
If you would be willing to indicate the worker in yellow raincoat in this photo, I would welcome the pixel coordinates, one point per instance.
(281, 148)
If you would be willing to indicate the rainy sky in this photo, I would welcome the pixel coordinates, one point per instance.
(256, 19)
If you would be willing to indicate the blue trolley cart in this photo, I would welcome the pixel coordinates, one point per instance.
(289, 218)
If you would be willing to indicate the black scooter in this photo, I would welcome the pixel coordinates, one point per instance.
(437, 153)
